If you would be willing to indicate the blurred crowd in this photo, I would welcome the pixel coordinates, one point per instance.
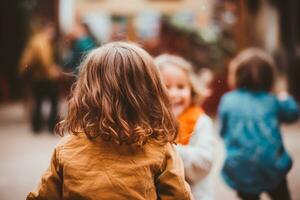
(44, 65)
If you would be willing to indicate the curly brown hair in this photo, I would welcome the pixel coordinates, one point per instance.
(119, 96)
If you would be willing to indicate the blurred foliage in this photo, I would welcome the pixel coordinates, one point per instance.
(216, 43)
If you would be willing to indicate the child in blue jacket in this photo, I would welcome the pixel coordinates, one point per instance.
(250, 116)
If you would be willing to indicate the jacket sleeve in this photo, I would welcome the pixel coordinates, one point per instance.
(170, 183)
(199, 155)
(50, 187)
(288, 109)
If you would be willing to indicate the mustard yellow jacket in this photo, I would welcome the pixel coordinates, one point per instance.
(38, 58)
(93, 169)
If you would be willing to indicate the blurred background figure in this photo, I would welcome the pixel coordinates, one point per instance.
(196, 144)
(38, 66)
(256, 158)
(82, 41)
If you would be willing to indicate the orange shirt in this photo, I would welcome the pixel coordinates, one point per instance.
(187, 121)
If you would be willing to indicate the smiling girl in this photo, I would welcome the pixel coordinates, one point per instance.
(195, 139)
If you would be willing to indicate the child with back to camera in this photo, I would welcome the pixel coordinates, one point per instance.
(121, 132)
(195, 138)
(251, 115)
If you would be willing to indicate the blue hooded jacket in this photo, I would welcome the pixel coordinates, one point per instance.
(256, 159)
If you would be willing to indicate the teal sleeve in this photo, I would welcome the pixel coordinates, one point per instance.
(288, 110)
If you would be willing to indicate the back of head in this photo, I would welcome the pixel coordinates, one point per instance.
(252, 69)
(119, 97)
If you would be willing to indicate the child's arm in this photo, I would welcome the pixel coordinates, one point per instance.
(198, 156)
(288, 108)
(50, 187)
(170, 183)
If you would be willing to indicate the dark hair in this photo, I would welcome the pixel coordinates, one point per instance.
(90, 33)
(119, 96)
(253, 70)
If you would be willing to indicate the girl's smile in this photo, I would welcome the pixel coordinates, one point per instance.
(178, 87)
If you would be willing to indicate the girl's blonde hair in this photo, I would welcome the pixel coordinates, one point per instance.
(119, 96)
(166, 59)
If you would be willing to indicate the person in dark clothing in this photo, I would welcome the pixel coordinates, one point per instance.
(44, 90)
(39, 65)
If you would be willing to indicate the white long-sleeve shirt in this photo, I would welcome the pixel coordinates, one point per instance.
(198, 157)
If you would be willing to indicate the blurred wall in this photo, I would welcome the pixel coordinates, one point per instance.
(273, 26)
(290, 37)
(12, 37)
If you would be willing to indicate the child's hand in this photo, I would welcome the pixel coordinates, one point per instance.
(280, 85)
(281, 88)
(283, 95)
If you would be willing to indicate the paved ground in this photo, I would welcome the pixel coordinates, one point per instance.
(24, 156)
